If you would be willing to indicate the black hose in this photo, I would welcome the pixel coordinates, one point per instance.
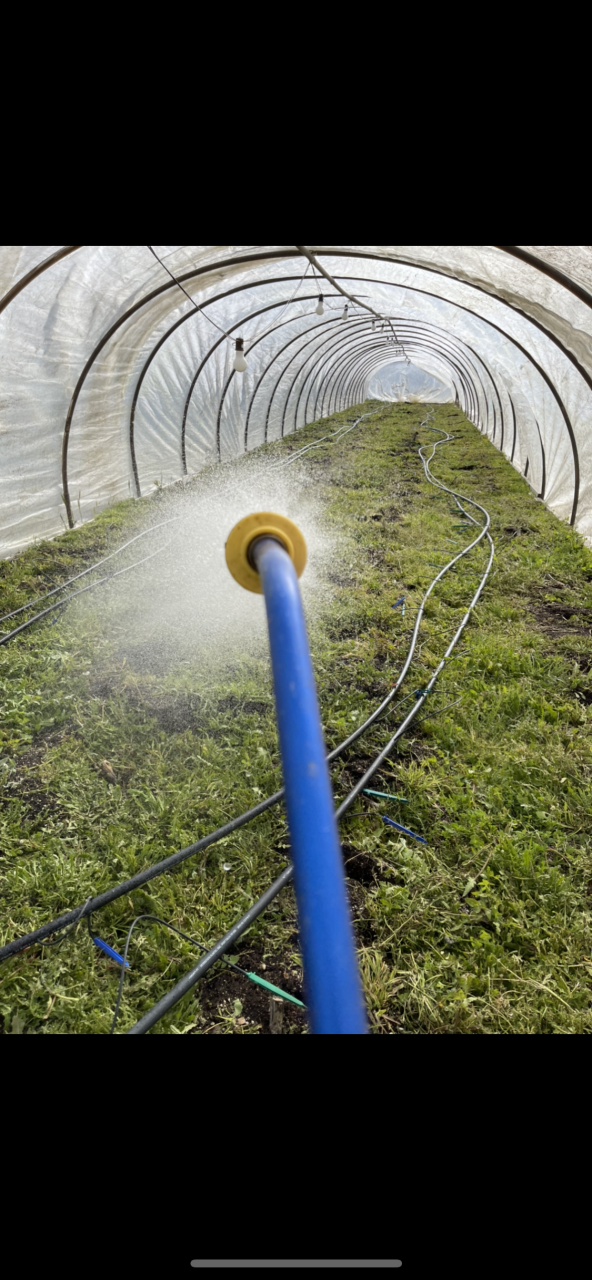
(60, 603)
(142, 877)
(91, 569)
(214, 954)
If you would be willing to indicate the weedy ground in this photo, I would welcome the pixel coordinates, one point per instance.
(485, 929)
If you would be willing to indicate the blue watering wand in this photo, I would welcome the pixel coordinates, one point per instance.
(266, 553)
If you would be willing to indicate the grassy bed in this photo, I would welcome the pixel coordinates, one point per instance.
(484, 929)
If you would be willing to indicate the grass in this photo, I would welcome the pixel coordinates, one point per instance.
(486, 929)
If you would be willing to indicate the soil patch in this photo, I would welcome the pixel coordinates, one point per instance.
(218, 995)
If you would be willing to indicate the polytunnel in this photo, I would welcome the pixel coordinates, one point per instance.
(118, 362)
(356, 805)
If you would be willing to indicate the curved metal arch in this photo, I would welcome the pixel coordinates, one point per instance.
(356, 371)
(355, 332)
(584, 373)
(420, 343)
(514, 250)
(445, 337)
(329, 374)
(492, 380)
(547, 270)
(211, 351)
(360, 374)
(302, 333)
(446, 275)
(354, 375)
(446, 340)
(244, 320)
(543, 486)
(546, 378)
(358, 356)
(351, 369)
(359, 369)
(334, 371)
(245, 259)
(465, 378)
(274, 329)
(410, 345)
(371, 356)
(36, 271)
(356, 322)
(285, 368)
(239, 260)
(465, 347)
(453, 342)
(188, 316)
(199, 307)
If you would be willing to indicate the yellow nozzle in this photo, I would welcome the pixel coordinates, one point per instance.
(256, 526)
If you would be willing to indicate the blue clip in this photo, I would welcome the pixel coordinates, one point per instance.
(399, 601)
(390, 823)
(110, 952)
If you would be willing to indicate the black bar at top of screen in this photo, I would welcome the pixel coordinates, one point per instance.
(297, 1262)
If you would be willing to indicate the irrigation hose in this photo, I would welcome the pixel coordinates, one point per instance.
(252, 977)
(61, 603)
(91, 569)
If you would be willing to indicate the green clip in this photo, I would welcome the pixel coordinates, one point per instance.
(277, 991)
(384, 795)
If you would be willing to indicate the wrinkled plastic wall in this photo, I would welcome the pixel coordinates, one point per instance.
(404, 383)
(512, 346)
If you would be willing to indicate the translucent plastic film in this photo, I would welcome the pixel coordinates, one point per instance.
(113, 380)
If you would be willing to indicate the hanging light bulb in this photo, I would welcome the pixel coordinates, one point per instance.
(344, 316)
(240, 363)
(319, 309)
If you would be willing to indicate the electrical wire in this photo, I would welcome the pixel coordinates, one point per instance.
(352, 298)
(57, 941)
(200, 310)
(277, 320)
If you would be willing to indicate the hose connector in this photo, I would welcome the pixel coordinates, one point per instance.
(262, 524)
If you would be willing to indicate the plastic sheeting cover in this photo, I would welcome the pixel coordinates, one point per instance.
(111, 380)
(405, 383)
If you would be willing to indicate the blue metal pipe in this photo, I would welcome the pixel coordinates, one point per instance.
(333, 988)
